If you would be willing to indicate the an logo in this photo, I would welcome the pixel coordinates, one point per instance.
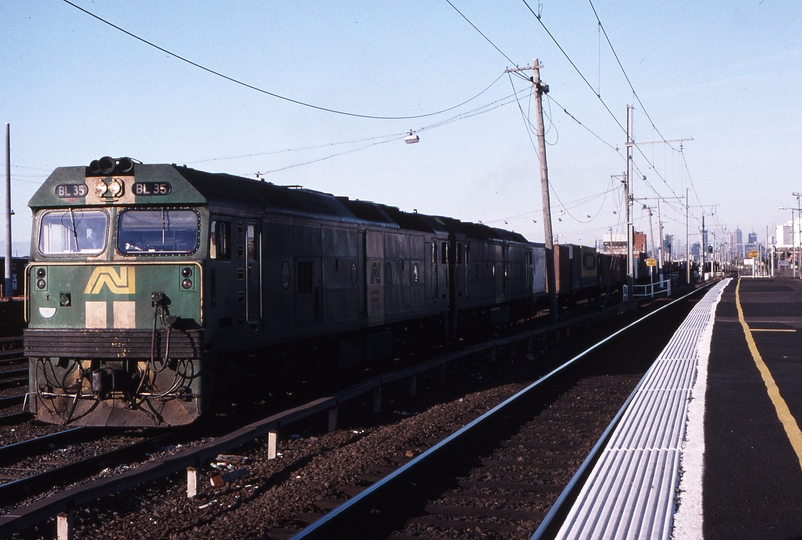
(123, 282)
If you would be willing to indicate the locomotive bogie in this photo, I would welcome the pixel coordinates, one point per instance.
(116, 393)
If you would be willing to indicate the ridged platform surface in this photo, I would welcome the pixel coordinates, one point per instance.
(631, 491)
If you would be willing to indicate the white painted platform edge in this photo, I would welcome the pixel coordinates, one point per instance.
(689, 519)
(606, 508)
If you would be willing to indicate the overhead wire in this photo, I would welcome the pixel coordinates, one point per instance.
(581, 75)
(565, 208)
(690, 178)
(624, 71)
(395, 137)
(643, 107)
(527, 124)
(589, 85)
(575, 119)
(551, 125)
(529, 129)
(481, 33)
(328, 157)
(572, 204)
(598, 93)
(267, 92)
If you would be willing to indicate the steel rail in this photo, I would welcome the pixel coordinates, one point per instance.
(38, 511)
(559, 510)
(16, 341)
(13, 492)
(11, 401)
(5, 384)
(13, 378)
(11, 451)
(9, 373)
(11, 358)
(329, 525)
(14, 418)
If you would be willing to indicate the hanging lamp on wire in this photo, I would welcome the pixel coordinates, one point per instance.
(412, 138)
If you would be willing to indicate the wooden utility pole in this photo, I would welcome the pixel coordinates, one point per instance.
(551, 278)
(8, 287)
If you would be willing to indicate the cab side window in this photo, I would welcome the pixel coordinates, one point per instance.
(220, 240)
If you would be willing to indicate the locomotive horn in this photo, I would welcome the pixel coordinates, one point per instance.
(94, 167)
(106, 165)
(125, 165)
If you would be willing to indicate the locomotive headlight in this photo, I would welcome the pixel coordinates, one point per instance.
(116, 187)
(187, 283)
(40, 278)
(40, 273)
(101, 188)
(186, 272)
(41, 284)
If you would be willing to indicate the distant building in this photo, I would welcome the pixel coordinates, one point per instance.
(787, 235)
(639, 244)
(616, 243)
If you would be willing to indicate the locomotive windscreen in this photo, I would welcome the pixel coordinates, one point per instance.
(157, 231)
(64, 232)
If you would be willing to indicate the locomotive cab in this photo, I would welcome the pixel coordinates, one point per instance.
(114, 285)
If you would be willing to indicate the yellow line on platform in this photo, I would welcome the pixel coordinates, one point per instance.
(783, 412)
(772, 330)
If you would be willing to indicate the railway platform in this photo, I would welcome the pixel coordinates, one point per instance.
(710, 445)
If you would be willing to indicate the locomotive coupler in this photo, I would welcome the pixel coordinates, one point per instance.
(106, 380)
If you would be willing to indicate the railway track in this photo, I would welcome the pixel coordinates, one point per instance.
(51, 462)
(11, 351)
(498, 470)
(499, 476)
(13, 378)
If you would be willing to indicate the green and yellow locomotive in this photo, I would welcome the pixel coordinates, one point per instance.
(114, 296)
(145, 280)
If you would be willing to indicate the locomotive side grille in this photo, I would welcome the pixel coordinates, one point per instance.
(118, 343)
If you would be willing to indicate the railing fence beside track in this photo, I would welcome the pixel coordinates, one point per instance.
(650, 290)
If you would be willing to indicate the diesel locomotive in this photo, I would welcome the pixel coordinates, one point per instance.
(146, 280)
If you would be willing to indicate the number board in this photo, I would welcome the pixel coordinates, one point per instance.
(152, 188)
(71, 191)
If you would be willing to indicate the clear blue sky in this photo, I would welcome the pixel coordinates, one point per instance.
(725, 74)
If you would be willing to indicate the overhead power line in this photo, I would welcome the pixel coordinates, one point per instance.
(625, 73)
(267, 92)
(482, 33)
(575, 119)
(598, 96)
(372, 141)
